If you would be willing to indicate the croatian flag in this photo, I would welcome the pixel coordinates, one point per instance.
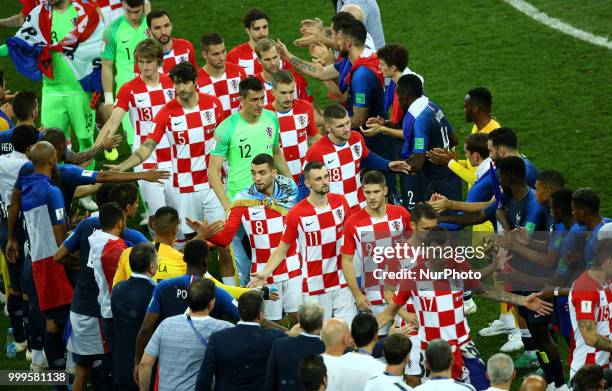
(104, 252)
(31, 47)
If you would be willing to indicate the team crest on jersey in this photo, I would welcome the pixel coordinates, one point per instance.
(357, 149)
(170, 94)
(73, 21)
(269, 131)
(183, 59)
(302, 121)
(395, 225)
(234, 84)
(340, 214)
(208, 118)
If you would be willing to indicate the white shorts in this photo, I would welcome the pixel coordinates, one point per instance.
(289, 298)
(87, 337)
(413, 367)
(377, 309)
(156, 195)
(338, 304)
(199, 205)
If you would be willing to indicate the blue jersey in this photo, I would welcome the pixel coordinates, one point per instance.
(531, 172)
(85, 300)
(170, 298)
(364, 90)
(573, 242)
(70, 177)
(590, 248)
(525, 213)
(481, 191)
(431, 129)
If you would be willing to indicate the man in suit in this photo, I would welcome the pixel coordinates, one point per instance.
(287, 352)
(248, 340)
(129, 301)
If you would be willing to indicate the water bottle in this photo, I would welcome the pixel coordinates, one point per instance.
(10, 344)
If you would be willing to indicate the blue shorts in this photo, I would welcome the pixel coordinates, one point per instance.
(563, 315)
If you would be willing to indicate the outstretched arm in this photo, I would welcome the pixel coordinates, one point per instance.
(259, 279)
(317, 71)
(139, 155)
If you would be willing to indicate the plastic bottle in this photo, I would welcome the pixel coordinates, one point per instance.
(10, 344)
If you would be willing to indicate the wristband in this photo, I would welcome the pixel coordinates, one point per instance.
(108, 98)
(556, 291)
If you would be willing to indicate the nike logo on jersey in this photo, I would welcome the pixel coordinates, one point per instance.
(309, 224)
(330, 161)
(177, 123)
(140, 100)
(256, 212)
(126, 41)
(242, 140)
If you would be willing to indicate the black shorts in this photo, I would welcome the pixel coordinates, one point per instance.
(530, 316)
(58, 314)
(87, 360)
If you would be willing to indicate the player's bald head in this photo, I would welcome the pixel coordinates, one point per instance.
(533, 383)
(334, 332)
(42, 153)
(354, 10)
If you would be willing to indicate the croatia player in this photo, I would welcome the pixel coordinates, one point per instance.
(438, 303)
(269, 59)
(343, 151)
(378, 225)
(189, 122)
(176, 50)
(261, 209)
(296, 119)
(589, 304)
(317, 223)
(256, 24)
(219, 77)
(142, 98)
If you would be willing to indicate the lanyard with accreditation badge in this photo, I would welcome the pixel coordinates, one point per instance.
(197, 333)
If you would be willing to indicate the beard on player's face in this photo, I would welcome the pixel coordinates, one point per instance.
(324, 189)
(164, 39)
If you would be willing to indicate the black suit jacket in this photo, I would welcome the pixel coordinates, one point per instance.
(129, 301)
(286, 354)
(237, 357)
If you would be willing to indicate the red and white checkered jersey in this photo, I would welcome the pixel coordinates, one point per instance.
(301, 88)
(110, 10)
(225, 87)
(366, 236)
(589, 300)
(190, 132)
(244, 56)
(296, 125)
(319, 238)
(438, 304)
(182, 50)
(143, 102)
(264, 228)
(343, 163)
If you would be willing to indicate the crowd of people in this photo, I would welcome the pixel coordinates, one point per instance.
(236, 164)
